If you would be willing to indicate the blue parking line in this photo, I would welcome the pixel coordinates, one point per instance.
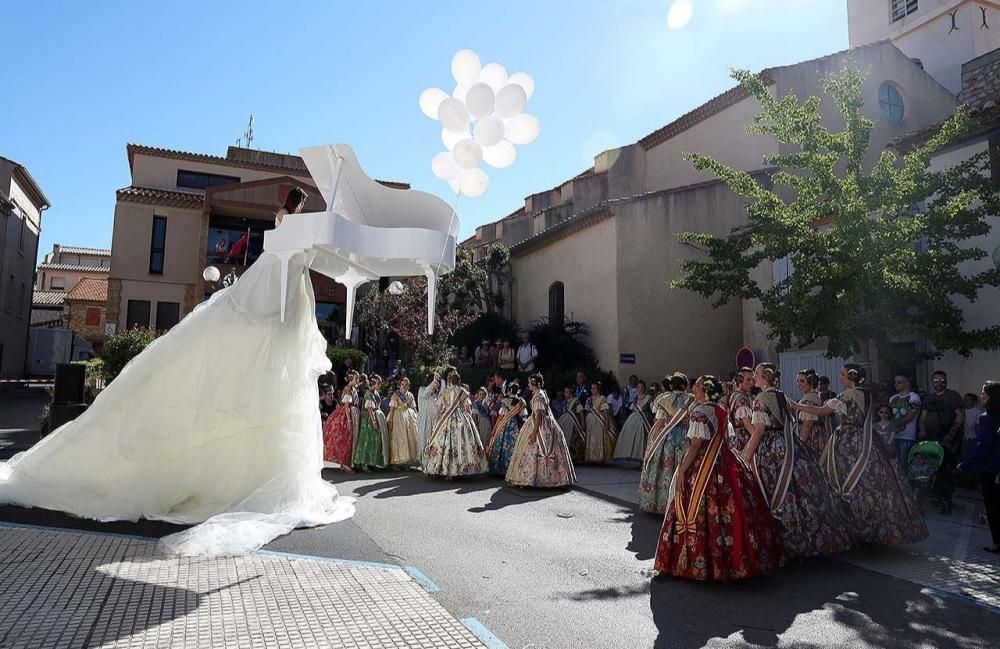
(422, 579)
(484, 634)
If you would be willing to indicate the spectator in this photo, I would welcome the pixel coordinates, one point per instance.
(985, 460)
(971, 424)
(655, 389)
(496, 353)
(942, 420)
(631, 394)
(582, 388)
(345, 368)
(484, 355)
(615, 402)
(884, 425)
(905, 407)
(527, 354)
(327, 403)
(823, 389)
(398, 371)
(507, 359)
(558, 404)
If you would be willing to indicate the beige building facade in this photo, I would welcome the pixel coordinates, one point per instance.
(21, 205)
(606, 238)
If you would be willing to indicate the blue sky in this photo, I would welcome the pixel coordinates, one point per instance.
(85, 78)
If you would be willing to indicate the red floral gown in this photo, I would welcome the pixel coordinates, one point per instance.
(338, 432)
(718, 525)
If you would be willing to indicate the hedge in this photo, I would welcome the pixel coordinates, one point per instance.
(338, 354)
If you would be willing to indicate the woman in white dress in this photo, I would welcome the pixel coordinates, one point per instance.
(181, 437)
(427, 396)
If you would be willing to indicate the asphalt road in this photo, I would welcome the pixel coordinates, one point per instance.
(567, 569)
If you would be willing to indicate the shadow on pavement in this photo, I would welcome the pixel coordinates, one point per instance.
(50, 518)
(392, 485)
(508, 496)
(817, 603)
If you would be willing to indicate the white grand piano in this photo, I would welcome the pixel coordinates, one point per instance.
(368, 230)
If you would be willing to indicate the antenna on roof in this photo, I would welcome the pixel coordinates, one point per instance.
(248, 135)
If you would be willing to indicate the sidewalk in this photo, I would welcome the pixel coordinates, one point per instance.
(950, 560)
(66, 589)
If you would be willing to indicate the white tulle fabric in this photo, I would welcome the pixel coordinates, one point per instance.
(214, 424)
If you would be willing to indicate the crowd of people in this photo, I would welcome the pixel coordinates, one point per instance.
(745, 476)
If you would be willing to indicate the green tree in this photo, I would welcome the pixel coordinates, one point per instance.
(878, 254)
(122, 347)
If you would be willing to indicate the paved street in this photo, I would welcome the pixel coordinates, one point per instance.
(565, 569)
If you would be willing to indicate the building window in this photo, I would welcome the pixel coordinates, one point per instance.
(57, 283)
(20, 237)
(93, 316)
(890, 102)
(902, 8)
(9, 302)
(157, 244)
(557, 304)
(199, 180)
(167, 315)
(235, 240)
(137, 314)
(20, 305)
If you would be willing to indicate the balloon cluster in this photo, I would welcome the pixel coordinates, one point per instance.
(481, 121)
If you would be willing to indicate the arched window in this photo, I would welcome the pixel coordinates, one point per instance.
(557, 304)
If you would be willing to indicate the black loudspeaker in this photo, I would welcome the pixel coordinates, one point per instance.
(69, 383)
(61, 413)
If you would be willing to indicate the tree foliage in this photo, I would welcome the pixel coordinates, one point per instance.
(878, 254)
(122, 347)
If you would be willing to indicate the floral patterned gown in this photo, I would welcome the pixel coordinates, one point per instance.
(809, 514)
(631, 443)
(404, 449)
(880, 503)
(718, 526)
(501, 444)
(740, 408)
(600, 431)
(665, 449)
(338, 432)
(819, 434)
(572, 426)
(454, 447)
(372, 446)
(541, 456)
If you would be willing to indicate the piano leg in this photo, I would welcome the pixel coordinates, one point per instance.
(351, 280)
(285, 257)
(431, 298)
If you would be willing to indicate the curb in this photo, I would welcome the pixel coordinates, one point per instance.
(485, 636)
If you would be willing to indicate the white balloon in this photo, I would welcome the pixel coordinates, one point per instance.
(444, 167)
(510, 101)
(450, 138)
(461, 93)
(456, 185)
(211, 274)
(468, 154)
(396, 288)
(465, 67)
(500, 155)
(430, 101)
(494, 75)
(454, 115)
(488, 131)
(475, 183)
(523, 129)
(524, 80)
(479, 100)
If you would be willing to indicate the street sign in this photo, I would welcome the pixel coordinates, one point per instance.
(626, 359)
(745, 357)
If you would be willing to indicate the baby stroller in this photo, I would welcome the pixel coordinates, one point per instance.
(923, 462)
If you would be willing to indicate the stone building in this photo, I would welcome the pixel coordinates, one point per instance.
(60, 272)
(85, 307)
(602, 247)
(21, 205)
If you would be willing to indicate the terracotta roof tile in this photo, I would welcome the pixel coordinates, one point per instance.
(133, 194)
(74, 267)
(48, 298)
(73, 250)
(89, 289)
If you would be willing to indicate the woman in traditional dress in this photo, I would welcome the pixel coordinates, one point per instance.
(631, 443)
(404, 450)
(427, 396)
(880, 504)
(800, 498)
(812, 428)
(741, 410)
(454, 447)
(666, 446)
(718, 525)
(541, 456)
(338, 430)
(481, 410)
(372, 448)
(600, 428)
(500, 446)
(571, 423)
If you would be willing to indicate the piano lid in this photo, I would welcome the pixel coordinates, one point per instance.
(362, 200)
